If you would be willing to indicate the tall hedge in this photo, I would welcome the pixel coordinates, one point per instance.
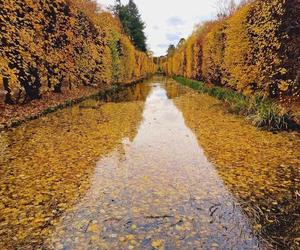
(49, 45)
(213, 54)
(256, 49)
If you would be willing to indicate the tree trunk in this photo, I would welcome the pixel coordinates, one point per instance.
(8, 97)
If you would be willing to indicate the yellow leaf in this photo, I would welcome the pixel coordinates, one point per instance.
(93, 228)
(157, 243)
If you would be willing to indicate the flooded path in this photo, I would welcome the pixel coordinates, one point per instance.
(157, 166)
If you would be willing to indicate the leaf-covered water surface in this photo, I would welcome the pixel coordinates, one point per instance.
(155, 167)
(260, 168)
(46, 164)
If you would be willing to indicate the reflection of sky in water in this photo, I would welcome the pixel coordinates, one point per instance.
(159, 187)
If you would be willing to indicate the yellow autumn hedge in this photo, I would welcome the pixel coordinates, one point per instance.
(213, 54)
(256, 49)
(241, 72)
(49, 45)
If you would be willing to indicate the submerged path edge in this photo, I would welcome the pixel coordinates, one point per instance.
(12, 123)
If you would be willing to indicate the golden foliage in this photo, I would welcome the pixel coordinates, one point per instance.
(52, 45)
(268, 53)
(213, 54)
(240, 73)
(236, 52)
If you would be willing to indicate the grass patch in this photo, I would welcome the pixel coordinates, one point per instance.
(260, 111)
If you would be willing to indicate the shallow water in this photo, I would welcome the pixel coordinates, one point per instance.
(153, 166)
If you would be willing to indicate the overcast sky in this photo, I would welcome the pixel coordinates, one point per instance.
(169, 20)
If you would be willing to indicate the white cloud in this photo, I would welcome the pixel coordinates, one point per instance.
(168, 20)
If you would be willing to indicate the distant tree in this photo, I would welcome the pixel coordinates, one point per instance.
(181, 42)
(150, 53)
(171, 50)
(132, 23)
(225, 8)
(244, 2)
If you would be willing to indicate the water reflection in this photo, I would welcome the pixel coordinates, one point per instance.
(159, 191)
(138, 92)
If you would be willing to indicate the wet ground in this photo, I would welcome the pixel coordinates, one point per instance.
(156, 166)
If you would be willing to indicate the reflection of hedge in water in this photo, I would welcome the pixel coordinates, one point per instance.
(254, 50)
(51, 45)
(138, 92)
